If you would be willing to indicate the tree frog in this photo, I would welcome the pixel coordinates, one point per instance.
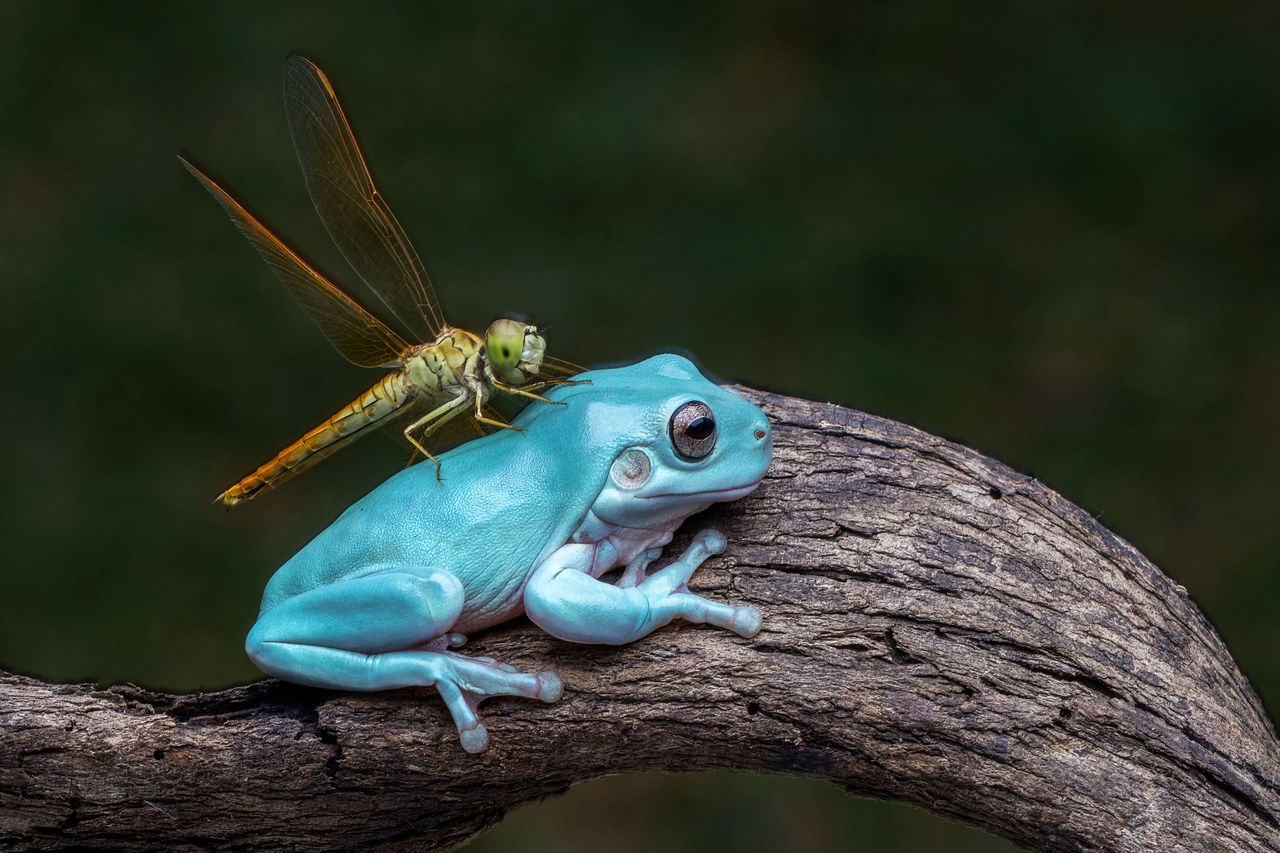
(524, 521)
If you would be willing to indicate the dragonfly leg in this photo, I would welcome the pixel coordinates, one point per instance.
(413, 454)
(427, 453)
(491, 421)
(432, 421)
(546, 380)
(523, 392)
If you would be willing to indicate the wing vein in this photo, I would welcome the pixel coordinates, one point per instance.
(357, 334)
(354, 212)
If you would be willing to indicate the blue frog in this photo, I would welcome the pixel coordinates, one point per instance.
(528, 522)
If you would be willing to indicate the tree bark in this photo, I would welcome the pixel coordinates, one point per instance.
(938, 629)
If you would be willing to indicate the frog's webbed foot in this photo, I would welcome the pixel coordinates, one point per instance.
(634, 573)
(669, 597)
(384, 631)
(465, 682)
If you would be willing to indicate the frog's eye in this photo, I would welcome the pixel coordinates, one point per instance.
(693, 431)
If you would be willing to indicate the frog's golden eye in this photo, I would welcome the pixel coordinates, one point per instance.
(503, 343)
(693, 431)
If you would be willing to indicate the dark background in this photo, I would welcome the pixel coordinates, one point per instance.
(1049, 231)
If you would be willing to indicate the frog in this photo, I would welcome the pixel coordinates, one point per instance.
(528, 520)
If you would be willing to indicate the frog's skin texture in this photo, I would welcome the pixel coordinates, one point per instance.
(523, 522)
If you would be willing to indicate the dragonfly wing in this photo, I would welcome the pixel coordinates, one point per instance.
(354, 212)
(558, 368)
(359, 336)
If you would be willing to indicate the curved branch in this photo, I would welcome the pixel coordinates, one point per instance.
(938, 629)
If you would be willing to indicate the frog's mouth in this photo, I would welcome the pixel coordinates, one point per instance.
(716, 495)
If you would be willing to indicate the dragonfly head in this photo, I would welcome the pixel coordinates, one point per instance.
(514, 350)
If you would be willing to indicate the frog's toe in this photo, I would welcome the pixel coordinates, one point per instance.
(712, 541)
(456, 640)
(550, 689)
(474, 738)
(464, 682)
(745, 622)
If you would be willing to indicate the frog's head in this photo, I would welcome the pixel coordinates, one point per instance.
(513, 350)
(668, 441)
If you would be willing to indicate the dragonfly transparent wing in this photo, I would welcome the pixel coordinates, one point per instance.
(354, 212)
(359, 336)
(558, 368)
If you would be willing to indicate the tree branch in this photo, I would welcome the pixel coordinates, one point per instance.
(938, 629)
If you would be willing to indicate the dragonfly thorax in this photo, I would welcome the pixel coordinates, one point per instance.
(452, 363)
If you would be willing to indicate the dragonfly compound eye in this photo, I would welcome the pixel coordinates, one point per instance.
(693, 431)
(503, 343)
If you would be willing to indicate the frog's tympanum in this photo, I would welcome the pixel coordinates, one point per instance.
(523, 522)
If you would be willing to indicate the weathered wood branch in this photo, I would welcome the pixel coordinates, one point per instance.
(938, 629)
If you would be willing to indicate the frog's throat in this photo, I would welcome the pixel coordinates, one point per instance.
(597, 527)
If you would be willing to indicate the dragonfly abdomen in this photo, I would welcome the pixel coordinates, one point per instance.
(383, 399)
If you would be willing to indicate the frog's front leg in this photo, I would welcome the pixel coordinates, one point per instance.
(566, 601)
(383, 631)
(634, 573)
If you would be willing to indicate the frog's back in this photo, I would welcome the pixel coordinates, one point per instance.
(486, 523)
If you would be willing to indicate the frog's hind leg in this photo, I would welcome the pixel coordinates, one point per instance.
(384, 631)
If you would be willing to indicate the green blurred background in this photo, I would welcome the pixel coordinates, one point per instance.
(1050, 231)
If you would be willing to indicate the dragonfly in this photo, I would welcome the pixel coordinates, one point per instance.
(452, 373)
